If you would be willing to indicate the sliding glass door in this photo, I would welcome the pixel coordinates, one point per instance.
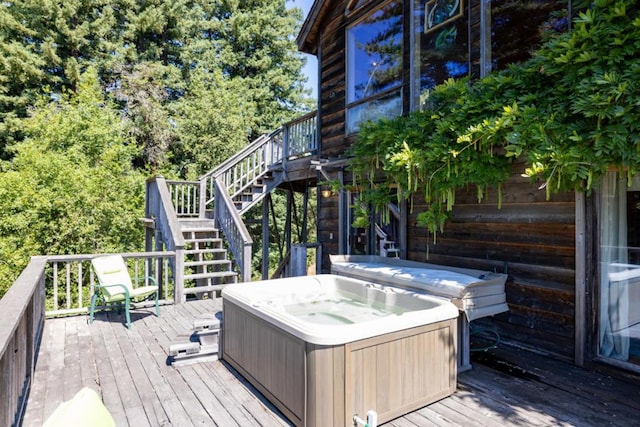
(619, 293)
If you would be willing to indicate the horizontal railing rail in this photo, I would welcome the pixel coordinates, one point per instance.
(70, 280)
(21, 324)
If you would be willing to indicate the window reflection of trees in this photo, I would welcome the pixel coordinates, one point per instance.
(444, 54)
(519, 26)
(379, 38)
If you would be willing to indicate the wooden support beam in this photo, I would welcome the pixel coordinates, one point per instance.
(305, 204)
(287, 225)
(265, 236)
(581, 294)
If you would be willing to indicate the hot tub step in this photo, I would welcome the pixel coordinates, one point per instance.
(184, 349)
(201, 346)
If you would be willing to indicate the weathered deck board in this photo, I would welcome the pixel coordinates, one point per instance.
(129, 369)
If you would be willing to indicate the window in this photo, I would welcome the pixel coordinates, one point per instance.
(457, 38)
(518, 27)
(440, 44)
(374, 66)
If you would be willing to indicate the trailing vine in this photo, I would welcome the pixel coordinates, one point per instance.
(572, 112)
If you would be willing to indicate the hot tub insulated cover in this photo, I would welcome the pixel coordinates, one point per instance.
(476, 293)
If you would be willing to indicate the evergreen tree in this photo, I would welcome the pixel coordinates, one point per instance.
(151, 54)
(255, 42)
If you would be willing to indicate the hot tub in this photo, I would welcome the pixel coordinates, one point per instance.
(324, 348)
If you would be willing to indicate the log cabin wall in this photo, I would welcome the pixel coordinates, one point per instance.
(529, 238)
(331, 107)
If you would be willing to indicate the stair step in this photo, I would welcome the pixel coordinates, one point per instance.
(205, 251)
(203, 240)
(184, 348)
(203, 289)
(206, 324)
(207, 262)
(211, 275)
(203, 244)
(201, 346)
(199, 229)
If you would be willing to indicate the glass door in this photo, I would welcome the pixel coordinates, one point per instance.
(619, 294)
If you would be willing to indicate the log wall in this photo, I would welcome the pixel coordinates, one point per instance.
(529, 238)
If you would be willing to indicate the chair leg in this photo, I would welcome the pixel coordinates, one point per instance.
(94, 297)
(127, 303)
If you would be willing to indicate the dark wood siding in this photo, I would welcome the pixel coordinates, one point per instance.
(529, 238)
(333, 143)
(333, 85)
(328, 229)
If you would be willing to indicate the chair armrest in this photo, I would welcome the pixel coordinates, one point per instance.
(152, 279)
(125, 289)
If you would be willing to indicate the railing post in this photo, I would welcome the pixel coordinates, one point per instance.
(246, 262)
(285, 145)
(202, 205)
(178, 279)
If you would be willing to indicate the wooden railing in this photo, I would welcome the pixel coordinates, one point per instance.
(169, 200)
(301, 136)
(241, 170)
(159, 207)
(54, 286)
(185, 196)
(21, 324)
(295, 139)
(69, 279)
(238, 237)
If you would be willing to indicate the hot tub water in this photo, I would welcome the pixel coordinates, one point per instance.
(342, 310)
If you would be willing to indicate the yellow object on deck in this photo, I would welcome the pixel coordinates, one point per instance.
(83, 410)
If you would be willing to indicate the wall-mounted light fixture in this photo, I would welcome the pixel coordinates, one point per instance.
(326, 193)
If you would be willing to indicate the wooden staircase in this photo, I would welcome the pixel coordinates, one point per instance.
(201, 221)
(206, 261)
(255, 191)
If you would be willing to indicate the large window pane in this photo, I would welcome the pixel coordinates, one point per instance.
(375, 53)
(619, 302)
(384, 107)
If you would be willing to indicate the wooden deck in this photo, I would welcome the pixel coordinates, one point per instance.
(507, 387)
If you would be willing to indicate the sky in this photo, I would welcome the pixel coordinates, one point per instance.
(310, 70)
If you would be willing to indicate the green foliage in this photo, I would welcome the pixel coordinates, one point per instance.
(571, 112)
(158, 57)
(213, 120)
(70, 187)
